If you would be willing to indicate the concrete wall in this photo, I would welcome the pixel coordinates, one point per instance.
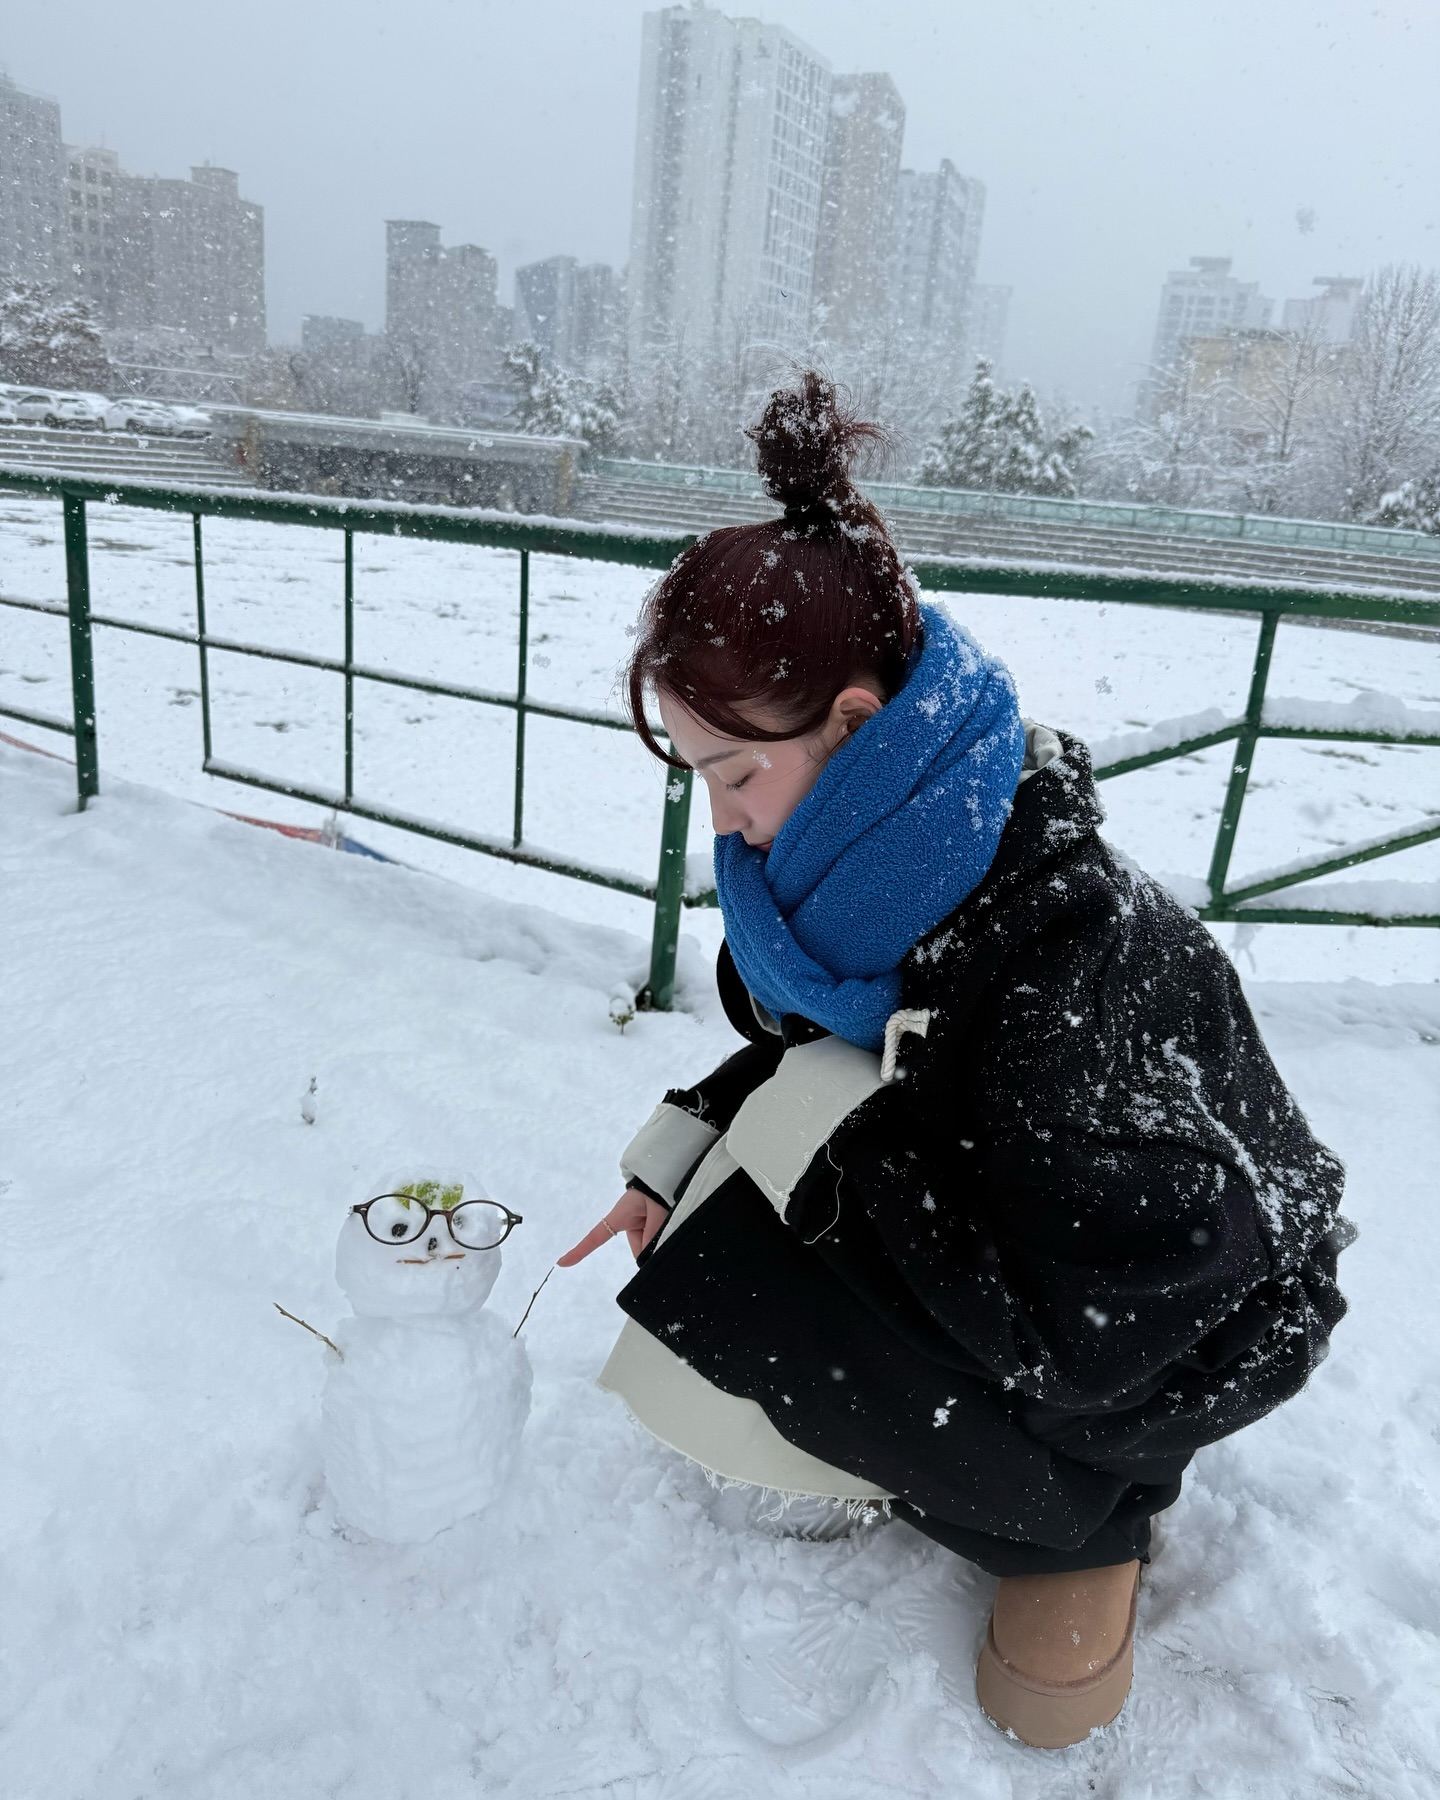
(364, 460)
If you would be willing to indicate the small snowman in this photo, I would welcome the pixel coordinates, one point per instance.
(423, 1410)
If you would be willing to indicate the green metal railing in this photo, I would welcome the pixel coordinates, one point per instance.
(669, 890)
(492, 531)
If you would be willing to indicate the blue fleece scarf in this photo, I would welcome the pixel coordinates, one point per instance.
(902, 824)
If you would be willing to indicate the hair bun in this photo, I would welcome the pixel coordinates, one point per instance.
(805, 444)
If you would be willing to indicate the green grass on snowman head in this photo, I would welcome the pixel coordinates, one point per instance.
(442, 1196)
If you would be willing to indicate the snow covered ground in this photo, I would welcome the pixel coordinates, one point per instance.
(183, 1616)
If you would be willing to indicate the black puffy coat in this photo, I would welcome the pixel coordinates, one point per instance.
(1087, 1233)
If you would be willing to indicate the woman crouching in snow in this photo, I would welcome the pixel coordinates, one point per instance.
(1003, 1211)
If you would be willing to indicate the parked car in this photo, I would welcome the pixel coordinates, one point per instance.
(82, 412)
(136, 414)
(191, 421)
(32, 405)
(9, 415)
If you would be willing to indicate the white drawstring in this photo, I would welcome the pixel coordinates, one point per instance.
(916, 1019)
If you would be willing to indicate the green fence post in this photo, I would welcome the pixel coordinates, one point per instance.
(520, 680)
(659, 992)
(1244, 758)
(202, 641)
(82, 651)
(349, 666)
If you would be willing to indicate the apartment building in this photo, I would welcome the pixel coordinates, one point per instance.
(941, 214)
(729, 172)
(857, 242)
(34, 240)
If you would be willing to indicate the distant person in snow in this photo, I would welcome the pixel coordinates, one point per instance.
(1003, 1210)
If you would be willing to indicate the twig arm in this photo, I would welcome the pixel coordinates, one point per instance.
(533, 1298)
(320, 1334)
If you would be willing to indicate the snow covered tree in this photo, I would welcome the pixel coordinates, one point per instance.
(656, 391)
(409, 367)
(595, 415)
(1172, 453)
(1415, 505)
(554, 402)
(48, 340)
(537, 403)
(998, 443)
(1273, 411)
(1385, 429)
(890, 378)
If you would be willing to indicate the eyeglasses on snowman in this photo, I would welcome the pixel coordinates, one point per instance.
(402, 1218)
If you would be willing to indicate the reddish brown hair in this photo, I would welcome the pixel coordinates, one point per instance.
(788, 613)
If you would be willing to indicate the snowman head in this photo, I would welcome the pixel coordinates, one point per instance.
(421, 1246)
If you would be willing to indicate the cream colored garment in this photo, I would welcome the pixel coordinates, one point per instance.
(664, 1150)
(727, 1435)
(1042, 746)
(780, 1126)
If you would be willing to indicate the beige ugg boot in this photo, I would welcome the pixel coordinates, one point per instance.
(1059, 1654)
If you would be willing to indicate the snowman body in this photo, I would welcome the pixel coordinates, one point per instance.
(422, 1413)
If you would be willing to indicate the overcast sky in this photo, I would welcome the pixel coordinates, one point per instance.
(1115, 139)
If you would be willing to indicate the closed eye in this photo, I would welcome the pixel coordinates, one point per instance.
(734, 787)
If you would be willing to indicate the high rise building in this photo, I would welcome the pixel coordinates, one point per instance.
(92, 189)
(989, 322)
(599, 312)
(34, 241)
(155, 258)
(469, 338)
(324, 335)
(856, 240)
(1260, 384)
(442, 316)
(729, 167)
(189, 258)
(776, 175)
(341, 368)
(570, 310)
(1204, 301)
(1332, 314)
(545, 306)
(941, 215)
(412, 257)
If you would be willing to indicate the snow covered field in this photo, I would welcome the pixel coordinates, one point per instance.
(183, 1616)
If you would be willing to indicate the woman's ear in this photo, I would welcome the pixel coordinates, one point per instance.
(849, 710)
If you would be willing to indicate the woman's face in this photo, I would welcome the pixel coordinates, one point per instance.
(753, 787)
